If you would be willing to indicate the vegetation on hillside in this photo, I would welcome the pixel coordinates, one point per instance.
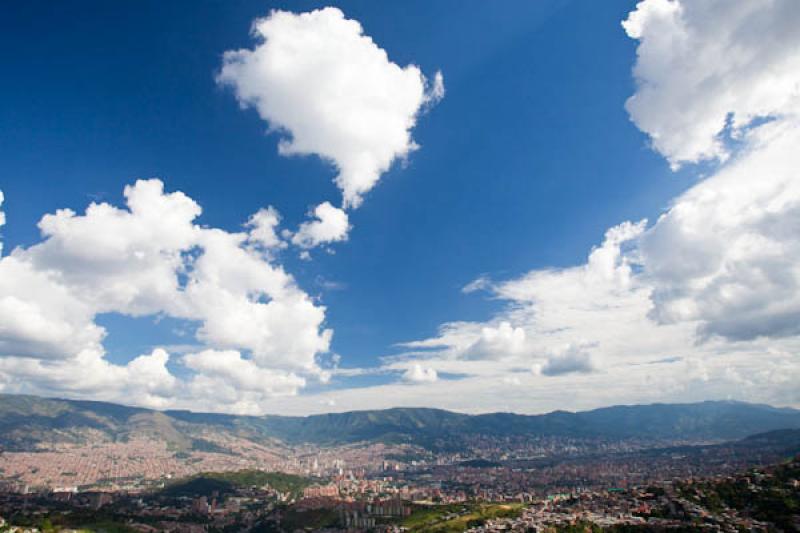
(457, 517)
(206, 483)
(771, 495)
(28, 420)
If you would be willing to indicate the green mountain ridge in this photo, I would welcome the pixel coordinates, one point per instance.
(26, 421)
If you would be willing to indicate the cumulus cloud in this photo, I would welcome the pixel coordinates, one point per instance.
(331, 91)
(555, 315)
(419, 374)
(243, 381)
(2, 219)
(705, 65)
(496, 342)
(567, 360)
(330, 224)
(263, 227)
(144, 381)
(590, 339)
(726, 252)
(151, 259)
(41, 317)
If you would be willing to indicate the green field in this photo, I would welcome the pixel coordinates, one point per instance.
(226, 483)
(458, 517)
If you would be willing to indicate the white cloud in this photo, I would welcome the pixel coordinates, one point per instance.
(244, 302)
(263, 225)
(2, 219)
(331, 224)
(418, 374)
(436, 91)
(152, 259)
(480, 283)
(332, 92)
(144, 381)
(703, 63)
(497, 342)
(40, 316)
(746, 374)
(218, 370)
(726, 252)
(570, 359)
(561, 320)
(589, 342)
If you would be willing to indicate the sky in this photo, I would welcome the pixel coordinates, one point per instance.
(304, 207)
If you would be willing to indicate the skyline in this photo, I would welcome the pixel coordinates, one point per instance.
(358, 211)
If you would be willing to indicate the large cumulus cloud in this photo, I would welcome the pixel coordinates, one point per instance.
(333, 92)
(151, 258)
(726, 252)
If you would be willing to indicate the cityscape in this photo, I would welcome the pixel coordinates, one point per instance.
(397, 480)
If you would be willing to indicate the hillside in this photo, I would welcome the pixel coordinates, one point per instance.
(207, 483)
(769, 494)
(26, 421)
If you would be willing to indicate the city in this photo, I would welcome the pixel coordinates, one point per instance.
(473, 499)
(542, 484)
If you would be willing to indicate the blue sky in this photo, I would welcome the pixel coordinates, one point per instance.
(523, 165)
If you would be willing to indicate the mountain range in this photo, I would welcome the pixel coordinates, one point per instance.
(28, 421)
